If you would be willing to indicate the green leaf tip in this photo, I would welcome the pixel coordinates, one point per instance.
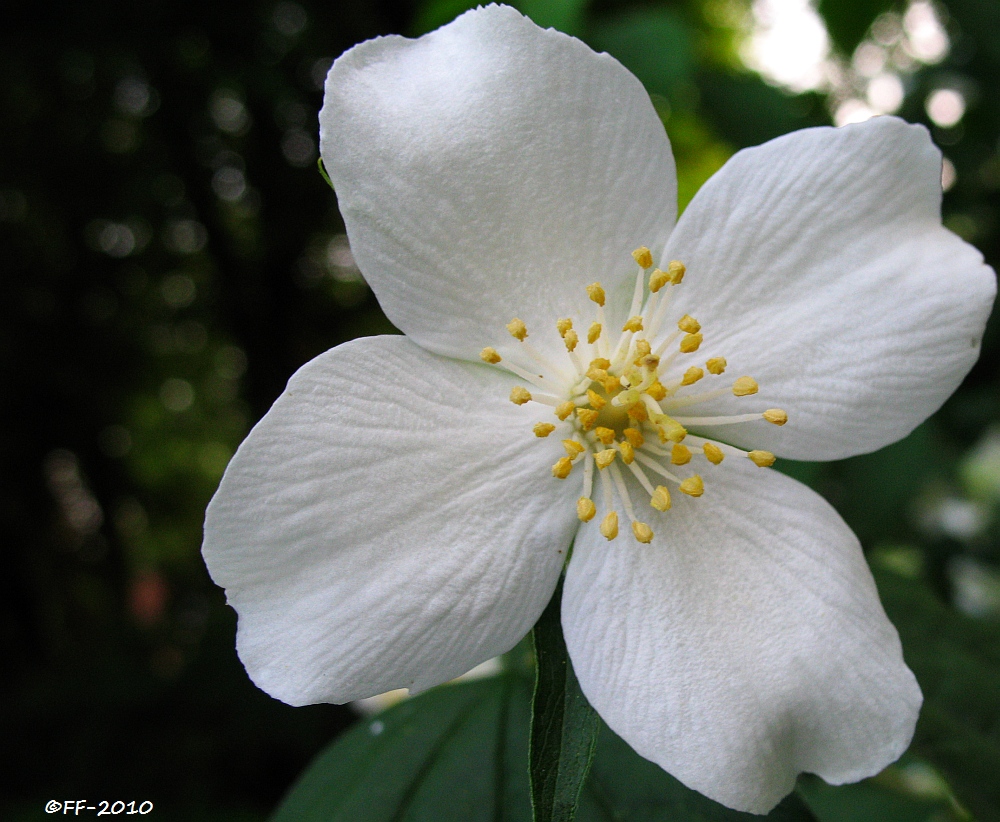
(323, 173)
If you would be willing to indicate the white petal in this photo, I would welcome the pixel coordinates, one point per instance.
(492, 169)
(818, 265)
(391, 522)
(745, 644)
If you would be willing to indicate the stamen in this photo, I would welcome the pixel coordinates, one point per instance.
(588, 417)
(676, 270)
(657, 391)
(564, 409)
(634, 436)
(562, 468)
(563, 325)
(643, 256)
(609, 526)
(571, 339)
(588, 473)
(680, 454)
(605, 458)
(605, 435)
(573, 448)
(519, 395)
(642, 350)
(691, 343)
(688, 324)
(713, 453)
(596, 400)
(593, 333)
(490, 355)
(658, 279)
(745, 386)
(660, 498)
(619, 481)
(692, 375)
(732, 420)
(585, 509)
(596, 293)
(518, 330)
(762, 459)
(655, 467)
(628, 452)
(693, 486)
(776, 416)
(633, 324)
(543, 429)
(716, 365)
(642, 532)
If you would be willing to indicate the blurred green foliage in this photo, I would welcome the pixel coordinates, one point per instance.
(171, 256)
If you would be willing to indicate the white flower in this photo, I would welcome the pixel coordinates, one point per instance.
(394, 519)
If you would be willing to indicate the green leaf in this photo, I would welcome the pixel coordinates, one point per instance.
(563, 725)
(323, 173)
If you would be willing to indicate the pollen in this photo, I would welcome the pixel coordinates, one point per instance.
(593, 333)
(563, 325)
(691, 343)
(611, 384)
(573, 448)
(688, 324)
(588, 417)
(633, 324)
(585, 509)
(634, 437)
(680, 454)
(543, 429)
(605, 435)
(676, 270)
(571, 339)
(657, 391)
(776, 416)
(519, 395)
(692, 375)
(596, 293)
(490, 355)
(763, 459)
(605, 458)
(643, 256)
(562, 468)
(745, 386)
(716, 365)
(642, 350)
(642, 532)
(596, 400)
(609, 526)
(660, 499)
(693, 486)
(658, 279)
(518, 330)
(713, 453)
(628, 452)
(638, 412)
(564, 409)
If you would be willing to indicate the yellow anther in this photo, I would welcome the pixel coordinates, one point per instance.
(660, 499)
(764, 459)
(692, 375)
(657, 391)
(690, 343)
(573, 448)
(593, 333)
(650, 361)
(518, 330)
(745, 386)
(605, 458)
(490, 355)
(670, 430)
(688, 324)
(596, 293)
(713, 453)
(634, 436)
(643, 256)
(601, 362)
(633, 324)
(562, 468)
(642, 532)
(585, 509)
(676, 270)
(588, 417)
(776, 416)
(605, 435)
(628, 453)
(563, 326)
(611, 384)
(716, 365)
(642, 349)
(693, 486)
(564, 409)
(597, 374)
(680, 454)
(609, 526)
(658, 279)
(519, 395)
(543, 429)
(596, 400)
(638, 412)
(571, 339)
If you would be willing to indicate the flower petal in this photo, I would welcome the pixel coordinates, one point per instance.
(391, 522)
(744, 645)
(492, 166)
(817, 264)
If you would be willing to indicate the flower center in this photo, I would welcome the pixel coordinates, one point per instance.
(621, 400)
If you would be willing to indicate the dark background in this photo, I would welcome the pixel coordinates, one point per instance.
(170, 255)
